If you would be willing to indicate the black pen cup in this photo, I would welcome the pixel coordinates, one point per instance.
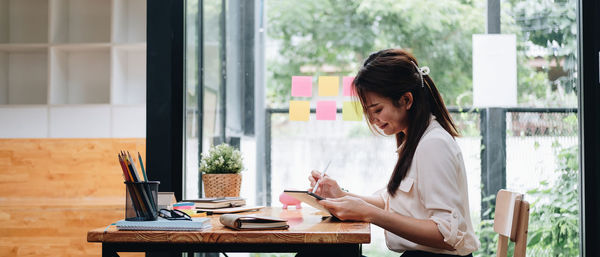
(141, 200)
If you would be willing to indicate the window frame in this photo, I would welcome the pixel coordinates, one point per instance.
(165, 94)
(589, 120)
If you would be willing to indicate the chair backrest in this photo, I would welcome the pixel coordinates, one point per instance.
(511, 220)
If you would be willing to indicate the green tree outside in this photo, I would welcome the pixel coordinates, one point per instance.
(333, 37)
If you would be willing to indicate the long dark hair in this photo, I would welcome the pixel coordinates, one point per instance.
(391, 73)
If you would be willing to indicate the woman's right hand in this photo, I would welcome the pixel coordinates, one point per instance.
(328, 187)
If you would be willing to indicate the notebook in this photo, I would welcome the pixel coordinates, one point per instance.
(247, 222)
(164, 224)
(215, 203)
(230, 210)
(214, 199)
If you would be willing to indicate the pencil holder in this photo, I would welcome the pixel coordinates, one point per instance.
(141, 200)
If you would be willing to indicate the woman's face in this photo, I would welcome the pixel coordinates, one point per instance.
(389, 118)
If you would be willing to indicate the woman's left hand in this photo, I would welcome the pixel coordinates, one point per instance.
(349, 208)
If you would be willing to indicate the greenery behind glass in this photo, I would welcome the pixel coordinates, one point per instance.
(333, 37)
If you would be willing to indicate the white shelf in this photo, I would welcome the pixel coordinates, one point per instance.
(24, 121)
(80, 75)
(128, 121)
(23, 21)
(129, 75)
(72, 121)
(23, 75)
(129, 21)
(22, 47)
(80, 21)
(72, 68)
(82, 47)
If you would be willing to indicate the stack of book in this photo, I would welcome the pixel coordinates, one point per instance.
(220, 205)
(217, 202)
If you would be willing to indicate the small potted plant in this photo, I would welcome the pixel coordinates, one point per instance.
(221, 169)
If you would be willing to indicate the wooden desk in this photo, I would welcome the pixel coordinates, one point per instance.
(308, 233)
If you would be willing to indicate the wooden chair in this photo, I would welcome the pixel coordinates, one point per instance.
(511, 220)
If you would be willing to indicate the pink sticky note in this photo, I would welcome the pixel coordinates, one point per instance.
(348, 90)
(302, 86)
(326, 110)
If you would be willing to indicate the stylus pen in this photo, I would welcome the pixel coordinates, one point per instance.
(322, 176)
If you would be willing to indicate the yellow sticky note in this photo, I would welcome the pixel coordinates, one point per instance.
(299, 110)
(328, 85)
(352, 111)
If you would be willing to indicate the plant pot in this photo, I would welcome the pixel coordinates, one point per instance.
(221, 185)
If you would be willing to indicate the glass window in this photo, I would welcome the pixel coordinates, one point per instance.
(316, 38)
(542, 144)
(192, 112)
(203, 67)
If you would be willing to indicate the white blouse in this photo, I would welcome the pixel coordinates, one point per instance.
(435, 188)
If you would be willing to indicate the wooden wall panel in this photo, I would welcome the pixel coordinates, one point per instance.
(52, 191)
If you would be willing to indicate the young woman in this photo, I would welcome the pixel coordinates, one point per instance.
(424, 208)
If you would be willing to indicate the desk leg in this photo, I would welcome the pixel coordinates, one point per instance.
(108, 251)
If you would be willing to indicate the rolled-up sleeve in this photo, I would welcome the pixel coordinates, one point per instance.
(383, 194)
(441, 193)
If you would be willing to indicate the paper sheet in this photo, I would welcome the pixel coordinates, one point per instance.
(302, 86)
(326, 110)
(328, 85)
(352, 111)
(347, 86)
(299, 110)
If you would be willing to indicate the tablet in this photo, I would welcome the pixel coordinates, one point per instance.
(308, 198)
(305, 192)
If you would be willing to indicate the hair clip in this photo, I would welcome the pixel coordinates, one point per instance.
(422, 71)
